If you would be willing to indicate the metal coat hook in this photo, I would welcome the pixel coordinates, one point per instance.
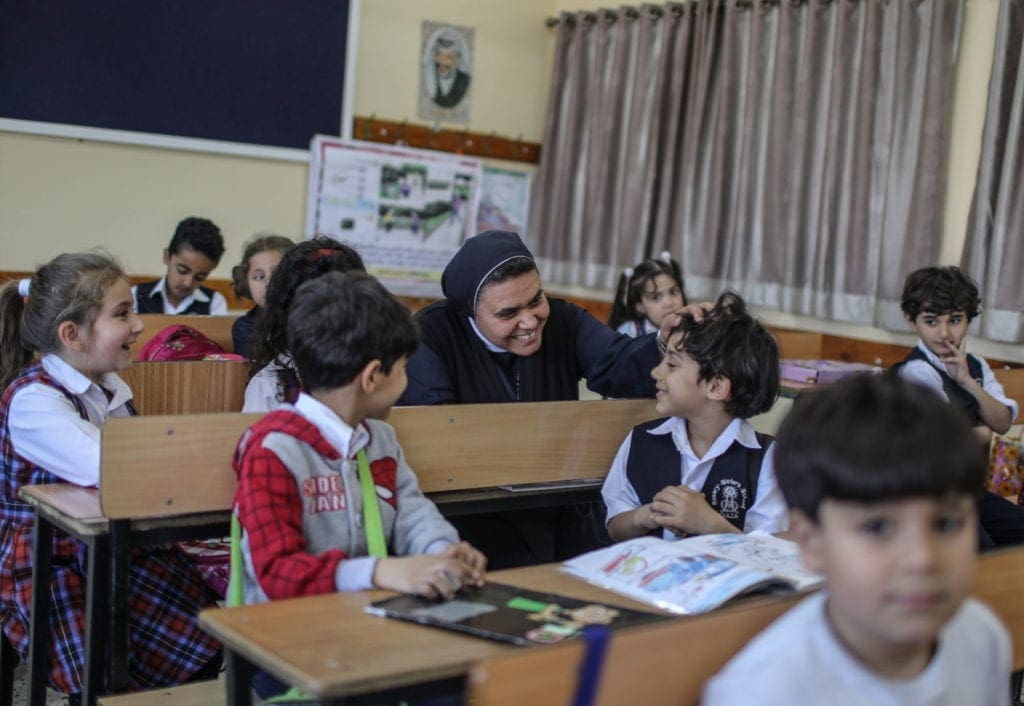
(464, 142)
(400, 133)
(368, 127)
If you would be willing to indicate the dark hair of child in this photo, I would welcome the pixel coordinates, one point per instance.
(632, 283)
(341, 321)
(507, 270)
(731, 343)
(70, 287)
(939, 290)
(262, 243)
(200, 234)
(874, 438)
(307, 260)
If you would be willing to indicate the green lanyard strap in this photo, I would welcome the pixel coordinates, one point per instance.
(371, 510)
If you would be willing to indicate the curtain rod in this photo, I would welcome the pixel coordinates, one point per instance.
(675, 9)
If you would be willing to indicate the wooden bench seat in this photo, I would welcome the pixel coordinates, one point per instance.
(216, 328)
(169, 465)
(188, 387)
(204, 693)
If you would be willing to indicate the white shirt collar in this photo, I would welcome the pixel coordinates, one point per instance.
(161, 288)
(78, 384)
(338, 434)
(738, 430)
(931, 357)
(490, 346)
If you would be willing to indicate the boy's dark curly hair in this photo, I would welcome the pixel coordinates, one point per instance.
(731, 343)
(939, 290)
(200, 234)
(307, 260)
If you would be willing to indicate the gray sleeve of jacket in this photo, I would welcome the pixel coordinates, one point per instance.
(418, 524)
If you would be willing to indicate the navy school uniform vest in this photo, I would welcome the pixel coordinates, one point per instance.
(146, 303)
(731, 486)
(957, 396)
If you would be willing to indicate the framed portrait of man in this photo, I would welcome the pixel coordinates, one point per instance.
(446, 73)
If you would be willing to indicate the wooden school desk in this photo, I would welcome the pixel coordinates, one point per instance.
(168, 478)
(327, 646)
(76, 511)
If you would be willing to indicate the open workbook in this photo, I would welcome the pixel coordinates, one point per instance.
(695, 574)
(510, 614)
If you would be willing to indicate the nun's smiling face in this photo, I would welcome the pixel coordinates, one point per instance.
(512, 314)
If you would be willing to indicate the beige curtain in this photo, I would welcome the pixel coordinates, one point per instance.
(994, 250)
(791, 150)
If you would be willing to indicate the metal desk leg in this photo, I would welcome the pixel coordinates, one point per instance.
(120, 557)
(8, 661)
(239, 679)
(39, 628)
(96, 597)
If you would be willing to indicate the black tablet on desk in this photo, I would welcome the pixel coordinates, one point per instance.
(510, 614)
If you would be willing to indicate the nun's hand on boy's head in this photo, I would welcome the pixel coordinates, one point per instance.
(685, 510)
(671, 321)
(472, 557)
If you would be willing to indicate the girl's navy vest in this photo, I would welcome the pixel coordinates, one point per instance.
(148, 303)
(731, 485)
(957, 396)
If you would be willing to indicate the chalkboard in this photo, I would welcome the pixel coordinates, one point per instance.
(265, 72)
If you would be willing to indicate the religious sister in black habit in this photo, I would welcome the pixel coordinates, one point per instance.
(496, 337)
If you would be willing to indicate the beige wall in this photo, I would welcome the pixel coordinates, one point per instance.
(60, 194)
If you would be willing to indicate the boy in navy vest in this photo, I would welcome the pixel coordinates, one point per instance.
(703, 469)
(194, 252)
(939, 303)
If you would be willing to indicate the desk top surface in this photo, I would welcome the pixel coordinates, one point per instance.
(77, 510)
(71, 507)
(329, 647)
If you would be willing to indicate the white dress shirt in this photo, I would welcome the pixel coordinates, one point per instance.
(46, 429)
(768, 513)
(799, 659)
(927, 374)
(218, 304)
(261, 392)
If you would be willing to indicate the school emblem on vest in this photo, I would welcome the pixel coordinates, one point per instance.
(729, 497)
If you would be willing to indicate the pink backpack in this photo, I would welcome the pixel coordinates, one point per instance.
(180, 342)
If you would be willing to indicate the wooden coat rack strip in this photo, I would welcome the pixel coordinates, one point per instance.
(472, 144)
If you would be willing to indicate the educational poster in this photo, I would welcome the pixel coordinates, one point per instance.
(504, 201)
(406, 210)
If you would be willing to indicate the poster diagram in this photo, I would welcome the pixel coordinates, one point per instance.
(406, 210)
(504, 201)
